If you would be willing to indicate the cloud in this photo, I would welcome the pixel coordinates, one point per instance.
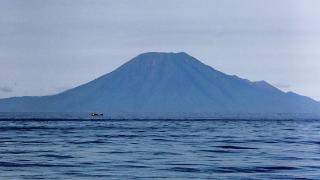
(60, 89)
(6, 89)
(282, 85)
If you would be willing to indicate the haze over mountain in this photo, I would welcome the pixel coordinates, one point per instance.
(167, 83)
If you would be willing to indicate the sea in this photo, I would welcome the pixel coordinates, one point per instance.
(159, 149)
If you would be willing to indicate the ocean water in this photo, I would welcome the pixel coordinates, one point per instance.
(160, 149)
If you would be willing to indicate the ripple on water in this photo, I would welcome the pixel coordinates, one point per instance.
(159, 149)
(234, 147)
(35, 165)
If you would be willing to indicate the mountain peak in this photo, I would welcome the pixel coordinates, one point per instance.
(163, 56)
(148, 54)
(154, 60)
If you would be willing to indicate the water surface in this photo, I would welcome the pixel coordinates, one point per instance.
(163, 149)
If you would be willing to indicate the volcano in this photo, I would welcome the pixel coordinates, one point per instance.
(167, 83)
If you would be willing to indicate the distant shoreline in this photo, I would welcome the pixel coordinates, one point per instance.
(85, 116)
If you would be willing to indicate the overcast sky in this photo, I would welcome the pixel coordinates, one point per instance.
(47, 46)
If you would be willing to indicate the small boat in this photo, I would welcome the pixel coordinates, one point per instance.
(96, 114)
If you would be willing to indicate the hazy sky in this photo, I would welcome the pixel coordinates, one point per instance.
(47, 46)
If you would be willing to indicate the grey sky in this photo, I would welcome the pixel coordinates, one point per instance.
(49, 46)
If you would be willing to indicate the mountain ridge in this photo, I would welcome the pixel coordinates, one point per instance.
(167, 82)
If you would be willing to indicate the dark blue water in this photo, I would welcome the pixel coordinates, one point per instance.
(216, 149)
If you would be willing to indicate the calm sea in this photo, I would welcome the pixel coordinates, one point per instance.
(160, 149)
